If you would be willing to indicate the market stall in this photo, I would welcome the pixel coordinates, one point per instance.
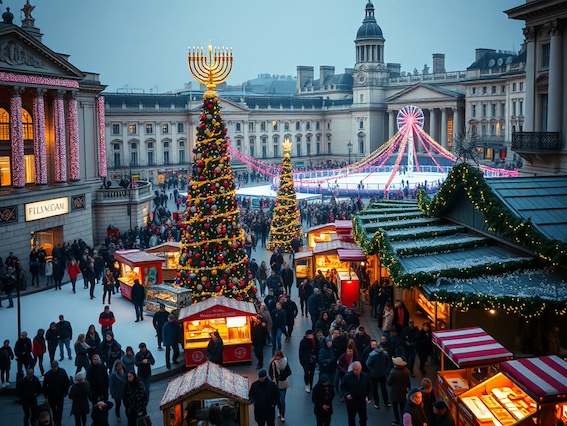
(320, 234)
(189, 397)
(170, 253)
(474, 353)
(303, 265)
(173, 297)
(344, 230)
(348, 283)
(137, 264)
(231, 318)
(544, 380)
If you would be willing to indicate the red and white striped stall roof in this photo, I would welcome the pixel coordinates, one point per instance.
(471, 347)
(543, 378)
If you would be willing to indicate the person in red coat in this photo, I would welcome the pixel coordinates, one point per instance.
(39, 348)
(73, 270)
(106, 319)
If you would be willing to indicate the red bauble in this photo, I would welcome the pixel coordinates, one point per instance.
(206, 247)
(207, 226)
(203, 263)
(223, 231)
(197, 255)
(245, 261)
(217, 288)
(219, 257)
(254, 290)
(225, 184)
(222, 282)
(207, 285)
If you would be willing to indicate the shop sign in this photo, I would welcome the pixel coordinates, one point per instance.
(216, 312)
(47, 208)
(8, 214)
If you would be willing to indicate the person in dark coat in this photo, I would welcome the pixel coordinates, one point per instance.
(93, 340)
(81, 354)
(409, 339)
(414, 414)
(287, 278)
(6, 357)
(401, 316)
(322, 397)
(52, 341)
(106, 320)
(399, 382)
(327, 359)
(379, 365)
(138, 298)
(97, 376)
(264, 394)
(144, 362)
(64, 336)
(291, 311)
(100, 413)
(135, 398)
(259, 337)
(442, 414)
(105, 348)
(159, 320)
(308, 352)
(357, 390)
(315, 306)
(170, 338)
(55, 388)
(424, 345)
(23, 352)
(279, 320)
(79, 394)
(215, 348)
(28, 389)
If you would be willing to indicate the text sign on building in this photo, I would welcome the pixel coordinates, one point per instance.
(47, 208)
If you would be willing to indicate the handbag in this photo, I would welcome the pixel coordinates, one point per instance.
(283, 384)
(144, 421)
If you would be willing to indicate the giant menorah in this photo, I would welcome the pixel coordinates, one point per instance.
(213, 71)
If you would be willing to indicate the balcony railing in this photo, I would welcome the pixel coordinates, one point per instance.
(142, 190)
(536, 141)
(143, 164)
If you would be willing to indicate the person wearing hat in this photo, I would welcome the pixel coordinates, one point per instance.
(414, 414)
(399, 382)
(79, 394)
(442, 414)
(144, 362)
(264, 394)
(322, 397)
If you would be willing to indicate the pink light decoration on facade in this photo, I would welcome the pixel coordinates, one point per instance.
(17, 135)
(73, 123)
(39, 147)
(60, 145)
(102, 171)
(34, 79)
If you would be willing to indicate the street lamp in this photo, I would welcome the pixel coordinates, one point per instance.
(349, 146)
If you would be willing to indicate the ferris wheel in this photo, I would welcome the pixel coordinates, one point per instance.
(411, 116)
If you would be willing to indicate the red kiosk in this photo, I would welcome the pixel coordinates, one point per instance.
(231, 318)
(137, 264)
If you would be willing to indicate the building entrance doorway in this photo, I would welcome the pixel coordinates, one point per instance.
(47, 238)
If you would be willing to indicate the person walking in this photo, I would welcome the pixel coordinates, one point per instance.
(279, 372)
(138, 298)
(93, 340)
(279, 320)
(414, 414)
(6, 358)
(379, 365)
(58, 272)
(52, 341)
(424, 345)
(262, 277)
(100, 411)
(291, 311)
(55, 388)
(28, 389)
(322, 398)
(9, 283)
(409, 339)
(81, 354)
(23, 352)
(215, 348)
(170, 339)
(442, 414)
(144, 362)
(97, 377)
(264, 394)
(260, 335)
(287, 278)
(135, 398)
(308, 351)
(106, 319)
(38, 349)
(48, 272)
(64, 336)
(357, 390)
(108, 282)
(79, 394)
(159, 320)
(73, 271)
(129, 360)
(117, 381)
(399, 382)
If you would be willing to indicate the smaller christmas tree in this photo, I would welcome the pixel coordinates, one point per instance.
(286, 221)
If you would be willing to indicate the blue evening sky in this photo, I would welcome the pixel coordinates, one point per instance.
(142, 44)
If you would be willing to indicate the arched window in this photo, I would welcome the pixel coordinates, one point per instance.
(27, 124)
(6, 148)
(4, 125)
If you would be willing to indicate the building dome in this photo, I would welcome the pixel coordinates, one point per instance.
(369, 28)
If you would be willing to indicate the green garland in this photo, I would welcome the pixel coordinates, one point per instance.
(498, 217)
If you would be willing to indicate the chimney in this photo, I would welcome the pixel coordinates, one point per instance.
(481, 52)
(324, 72)
(438, 63)
(304, 77)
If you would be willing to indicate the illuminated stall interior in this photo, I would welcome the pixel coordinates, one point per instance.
(170, 253)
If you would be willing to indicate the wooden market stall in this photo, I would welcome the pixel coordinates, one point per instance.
(137, 264)
(344, 230)
(474, 353)
(169, 251)
(348, 283)
(192, 394)
(320, 234)
(231, 318)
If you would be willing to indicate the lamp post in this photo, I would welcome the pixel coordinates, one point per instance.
(349, 146)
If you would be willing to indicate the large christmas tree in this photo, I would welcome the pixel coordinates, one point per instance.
(212, 260)
(286, 222)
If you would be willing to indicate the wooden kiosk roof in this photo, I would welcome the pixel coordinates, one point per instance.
(136, 256)
(217, 302)
(164, 248)
(210, 379)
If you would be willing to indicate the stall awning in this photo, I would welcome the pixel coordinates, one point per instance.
(343, 226)
(334, 245)
(136, 256)
(219, 304)
(543, 378)
(303, 255)
(352, 255)
(471, 347)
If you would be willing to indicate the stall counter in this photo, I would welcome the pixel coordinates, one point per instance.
(137, 264)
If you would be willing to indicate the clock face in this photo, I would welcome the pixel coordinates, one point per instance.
(362, 78)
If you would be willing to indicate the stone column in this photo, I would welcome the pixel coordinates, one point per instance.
(73, 128)
(444, 127)
(554, 89)
(60, 143)
(391, 124)
(102, 167)
(17, 136)
(529, 106)
(456, 124)
(433, 124)
(39, 144)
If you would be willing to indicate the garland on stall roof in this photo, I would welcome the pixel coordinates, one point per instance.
(497, 216)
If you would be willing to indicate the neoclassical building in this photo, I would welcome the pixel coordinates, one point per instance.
(335, 117)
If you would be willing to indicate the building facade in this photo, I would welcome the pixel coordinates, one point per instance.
(333, 118)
